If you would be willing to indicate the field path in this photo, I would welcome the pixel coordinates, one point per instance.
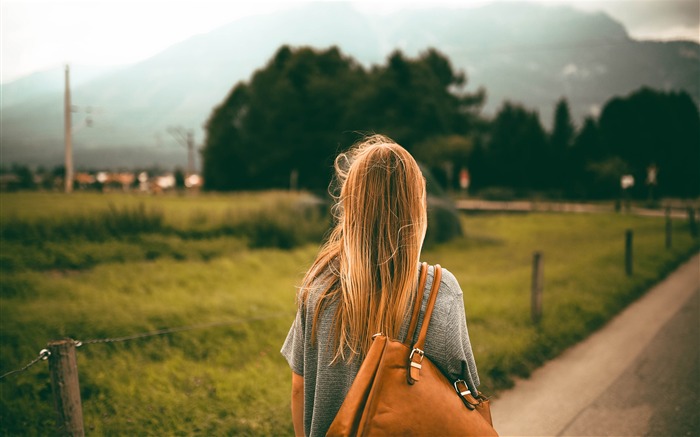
(639, 375)
(678, 211)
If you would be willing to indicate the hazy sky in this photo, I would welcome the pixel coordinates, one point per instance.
(41, 34)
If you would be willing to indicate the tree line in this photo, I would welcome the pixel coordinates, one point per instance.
(297, 112)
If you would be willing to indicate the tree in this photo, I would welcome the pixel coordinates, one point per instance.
(305, 105)
(25, 177)
(412, 100)
(658, 128)
(585, 152)
(445, 156)
(559, 161)
(517, 149)
(288, 117)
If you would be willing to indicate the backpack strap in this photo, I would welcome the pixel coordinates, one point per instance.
(417, 304)
(417, 353)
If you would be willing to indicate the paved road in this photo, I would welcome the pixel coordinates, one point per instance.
(637, 376)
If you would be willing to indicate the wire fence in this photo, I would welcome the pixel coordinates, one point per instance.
(45, 353)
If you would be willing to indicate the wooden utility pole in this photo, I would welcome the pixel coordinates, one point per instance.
(67, 109)
(63, 367)
(190, 153)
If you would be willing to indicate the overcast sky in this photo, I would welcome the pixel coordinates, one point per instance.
(40, 34)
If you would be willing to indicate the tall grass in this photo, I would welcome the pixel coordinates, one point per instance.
(112, 229)
(230, 379)
(100, 225)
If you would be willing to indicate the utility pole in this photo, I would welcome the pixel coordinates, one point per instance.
(186, 138)
(190, 153)
(67, 109)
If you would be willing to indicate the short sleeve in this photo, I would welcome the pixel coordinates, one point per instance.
(293, 347)
(460, 358)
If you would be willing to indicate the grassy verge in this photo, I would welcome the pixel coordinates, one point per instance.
(231, 379)
(584, 281)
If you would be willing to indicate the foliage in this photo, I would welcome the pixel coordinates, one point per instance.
(287, 117)
(561, 164)
(306, 105)
(655, 128)
(445, 156)
(411, 100)
(516, 151)
(647, 128)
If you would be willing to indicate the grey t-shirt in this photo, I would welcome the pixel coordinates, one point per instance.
(325, 385)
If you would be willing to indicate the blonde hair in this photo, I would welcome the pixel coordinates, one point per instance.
(369, 264)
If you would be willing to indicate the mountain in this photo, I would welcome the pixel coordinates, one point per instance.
(528, 53)
(46, 82)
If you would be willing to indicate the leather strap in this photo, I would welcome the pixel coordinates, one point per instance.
(416, 356)
(416, 304)
(471, 400)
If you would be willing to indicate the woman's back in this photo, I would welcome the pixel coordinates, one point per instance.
(326, 383)
(363, 281)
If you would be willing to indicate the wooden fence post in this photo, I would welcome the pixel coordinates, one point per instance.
(669, 228)
(63, 367)
(628, 252)
(536, 289)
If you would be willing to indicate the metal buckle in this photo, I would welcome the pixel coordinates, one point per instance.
(420, 352)
(462, 393)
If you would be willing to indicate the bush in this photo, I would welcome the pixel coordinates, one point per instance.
(443, 221)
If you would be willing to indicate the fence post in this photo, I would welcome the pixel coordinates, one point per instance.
(628, 252)
(536, 289)
(669, 228)
(691, 222)
(63, 367)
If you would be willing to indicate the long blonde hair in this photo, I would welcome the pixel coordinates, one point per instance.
(369, 263)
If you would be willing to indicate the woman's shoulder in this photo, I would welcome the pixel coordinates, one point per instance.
(448, 282)
(310, 292)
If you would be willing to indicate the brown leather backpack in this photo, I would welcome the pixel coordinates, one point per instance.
(399, 391)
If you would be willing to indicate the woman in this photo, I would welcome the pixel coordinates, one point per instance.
(364, 281)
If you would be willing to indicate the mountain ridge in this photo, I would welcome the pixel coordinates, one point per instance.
(520, 52)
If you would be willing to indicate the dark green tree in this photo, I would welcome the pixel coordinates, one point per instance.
(586, 150)
(288, 117)
(305, 105)
(412, 100)
(559, 162)
(25, 177)
(657, 128)
(517, 149)
(445, 156)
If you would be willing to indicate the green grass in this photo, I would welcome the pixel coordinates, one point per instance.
(584, 281)
(231, 379)
(36, 217)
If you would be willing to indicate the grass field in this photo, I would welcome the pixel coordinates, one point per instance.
(230, 378)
